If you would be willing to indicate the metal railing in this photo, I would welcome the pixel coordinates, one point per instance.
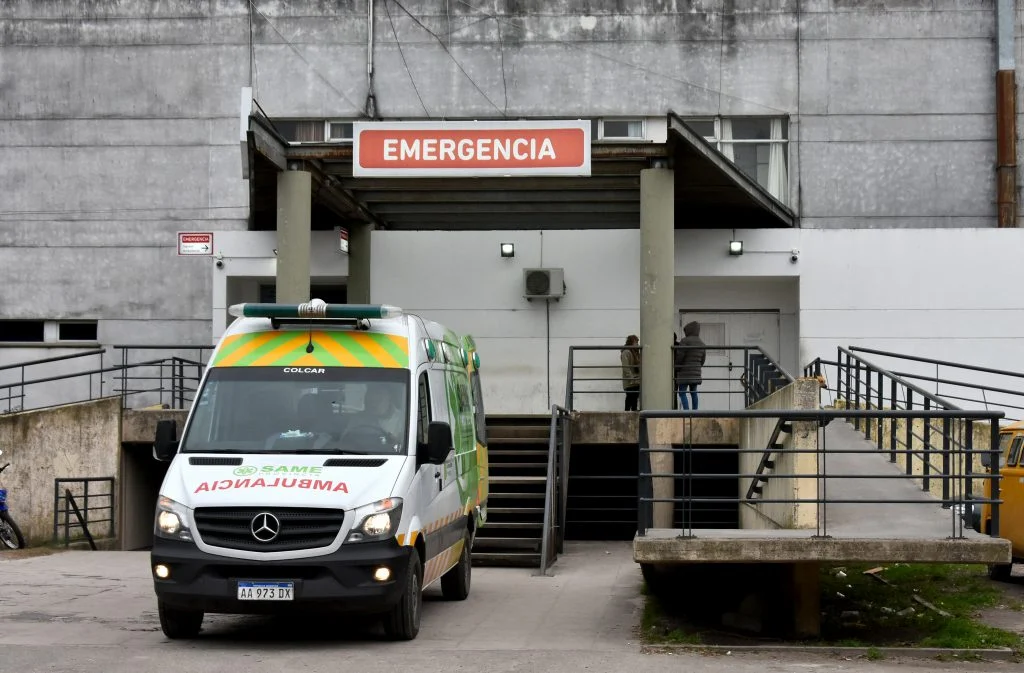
(553, 530)
(171, 380)
(860, 384)
(15, 390)
(758, 376)
(987, 396)
(958, 475)
(96, 507)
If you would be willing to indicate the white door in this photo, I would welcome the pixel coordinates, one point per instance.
(723, 367)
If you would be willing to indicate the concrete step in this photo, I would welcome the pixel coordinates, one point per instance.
(497, 481)
(516, 511)
(518, 453)
(503, 441)
(510, 525)
(509, 559)
(504, 543)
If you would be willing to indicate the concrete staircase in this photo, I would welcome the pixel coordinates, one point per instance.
(518, 455)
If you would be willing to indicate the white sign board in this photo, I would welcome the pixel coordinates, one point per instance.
(193, 243)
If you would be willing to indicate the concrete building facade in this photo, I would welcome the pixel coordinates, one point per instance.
(873, 122)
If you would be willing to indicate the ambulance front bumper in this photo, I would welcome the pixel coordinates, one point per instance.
(339, 582)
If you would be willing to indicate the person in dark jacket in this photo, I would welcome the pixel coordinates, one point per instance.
(689, 360)
(630, 358)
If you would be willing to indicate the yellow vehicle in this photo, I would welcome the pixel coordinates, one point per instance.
(1011, 492)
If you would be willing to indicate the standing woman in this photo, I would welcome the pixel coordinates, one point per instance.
(630, 358)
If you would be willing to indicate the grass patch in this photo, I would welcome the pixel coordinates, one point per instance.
(859, 610)
(861, 607)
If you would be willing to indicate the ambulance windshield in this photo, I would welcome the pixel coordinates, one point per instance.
(330, 410)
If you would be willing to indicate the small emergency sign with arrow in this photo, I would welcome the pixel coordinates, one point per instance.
(191, 243)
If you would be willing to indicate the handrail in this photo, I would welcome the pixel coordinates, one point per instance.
(558, 414)
(56, 358)
(933, 361)
(907, 384)
(755, 358)
(958, 476)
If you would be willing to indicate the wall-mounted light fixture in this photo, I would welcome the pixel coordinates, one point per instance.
(735, 248)
(508, 250)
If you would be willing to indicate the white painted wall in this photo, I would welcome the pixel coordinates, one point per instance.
(249, 260)
(948, 294)
(460, 279)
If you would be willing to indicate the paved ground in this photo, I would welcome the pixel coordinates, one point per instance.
(95, 612)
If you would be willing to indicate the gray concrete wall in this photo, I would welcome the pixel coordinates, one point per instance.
(77, 440)
(754, 434)
(118, 128)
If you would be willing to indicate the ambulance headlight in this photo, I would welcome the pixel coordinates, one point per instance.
(376, 521)
(171, 520)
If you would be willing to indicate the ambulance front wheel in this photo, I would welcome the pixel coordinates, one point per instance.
(179, 623)
(455, 582)
(403, 622)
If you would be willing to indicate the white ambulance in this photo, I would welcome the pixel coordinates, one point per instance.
(334, 459)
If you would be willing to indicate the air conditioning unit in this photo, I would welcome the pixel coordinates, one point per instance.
(543, 283)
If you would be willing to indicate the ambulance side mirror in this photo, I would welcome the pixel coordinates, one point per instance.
(439, 442)
(166, 444)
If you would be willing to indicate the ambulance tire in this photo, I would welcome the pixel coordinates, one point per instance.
(179, 624)
(403, 622)
(455, 582)
(1000, 572)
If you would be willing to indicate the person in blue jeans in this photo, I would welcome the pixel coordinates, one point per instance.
(689, 361)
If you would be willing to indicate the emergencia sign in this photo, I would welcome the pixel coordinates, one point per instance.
(471, 149)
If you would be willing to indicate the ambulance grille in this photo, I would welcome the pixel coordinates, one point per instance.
(300, 528)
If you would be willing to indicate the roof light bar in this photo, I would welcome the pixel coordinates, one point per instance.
(317, 308)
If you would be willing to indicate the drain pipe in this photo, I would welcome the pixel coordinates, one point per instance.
(1006, 116)
(371, 110)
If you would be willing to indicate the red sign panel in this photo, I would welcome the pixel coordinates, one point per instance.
(471, 149)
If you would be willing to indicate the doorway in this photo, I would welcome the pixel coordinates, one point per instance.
(723, 387)
(141, 477)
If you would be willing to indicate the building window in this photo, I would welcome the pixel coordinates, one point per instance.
(47, 331)
(615, 129)
(17, 331)
(757, 145)
(339, 131)
(301, 130)
(76, 331)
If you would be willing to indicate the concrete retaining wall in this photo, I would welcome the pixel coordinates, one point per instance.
(754, 434)
(77, 440)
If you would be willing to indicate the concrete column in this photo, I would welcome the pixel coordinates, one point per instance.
(359, 265)
(657, 305)
(294, 199)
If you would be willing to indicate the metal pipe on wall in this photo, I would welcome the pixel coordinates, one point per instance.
(1006, 116)
(371, 98)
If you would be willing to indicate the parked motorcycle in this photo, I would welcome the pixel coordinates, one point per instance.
(10, 534)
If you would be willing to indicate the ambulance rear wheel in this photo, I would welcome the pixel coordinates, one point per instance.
(403, 622)
(1000, 572)
(455, 582)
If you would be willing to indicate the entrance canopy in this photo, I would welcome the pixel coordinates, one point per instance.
(710, 191)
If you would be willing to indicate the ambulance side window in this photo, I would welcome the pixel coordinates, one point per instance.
(423, 412)
(1015, 451)
(478, 407)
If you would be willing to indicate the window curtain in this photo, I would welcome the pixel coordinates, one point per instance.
(777, 177)
(726, 139)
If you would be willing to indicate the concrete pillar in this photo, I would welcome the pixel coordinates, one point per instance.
(359, 265)
(657, 306)
(805, 593)
(294, 199)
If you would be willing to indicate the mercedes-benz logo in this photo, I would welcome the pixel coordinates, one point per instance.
(265, 527)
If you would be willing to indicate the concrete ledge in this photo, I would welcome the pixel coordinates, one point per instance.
(620, 427)
(139, 425)
(993, 654)
(795, 546)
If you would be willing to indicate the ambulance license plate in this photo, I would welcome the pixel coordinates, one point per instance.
(266, 591)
